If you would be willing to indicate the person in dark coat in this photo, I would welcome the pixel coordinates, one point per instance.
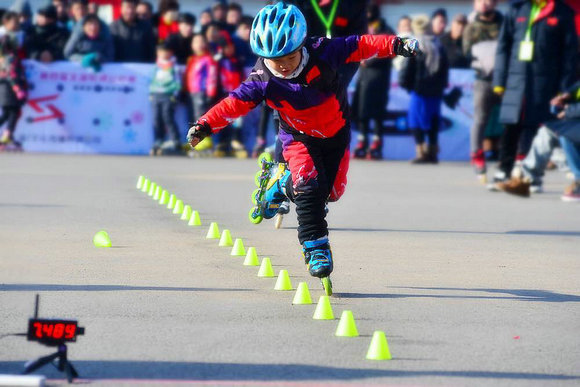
(133, 38)
(91, 48)
(180, 42)
(47, 39)
(371, 94)
(13, 91)
(452, 42)
(425, 77)
(530, 69)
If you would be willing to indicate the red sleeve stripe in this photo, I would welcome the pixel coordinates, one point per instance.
(369, 46)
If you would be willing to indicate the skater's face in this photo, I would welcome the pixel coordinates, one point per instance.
(92, 29)
(438, 25)
(404, 26)
(199, 45)
(128, 11)
(286, 64)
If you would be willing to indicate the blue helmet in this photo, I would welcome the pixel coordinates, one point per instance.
(277, 30)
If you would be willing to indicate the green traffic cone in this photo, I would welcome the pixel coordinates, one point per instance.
(157, 194)
(178, 208)
(283, 281)
(238, 249)
(101, 239)
(164, 199)
(152, 189)
(379, 348)
(172, 201)
(226, 239)
(251, 258)
(346, 325)
(140, 181)
(302, 296)
(266, 270)
(146, 185)
(323, 309)
(213, 232)
(186, 213)
(194, 220)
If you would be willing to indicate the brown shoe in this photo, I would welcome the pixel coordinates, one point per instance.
(516, 187)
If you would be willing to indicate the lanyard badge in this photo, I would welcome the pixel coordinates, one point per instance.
(526, 53)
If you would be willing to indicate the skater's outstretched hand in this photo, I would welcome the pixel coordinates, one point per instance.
(407, 47)
(198, 132)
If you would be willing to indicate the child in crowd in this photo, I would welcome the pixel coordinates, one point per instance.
(200, 81)
(92, 47)
(164, 89)
(168, 23)
(12, 92)
(298, 77)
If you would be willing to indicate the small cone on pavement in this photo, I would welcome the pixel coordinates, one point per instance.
(346, 325)
(140, 181)
(101, 239)
(323, 309)
(302, 296)
(164, 199)
(379, 348)
(178, 208)
(194, 220)
(226, 239)
(283, 281)
(251, 258)
(186, 214)
(238, 249)
(213, 232)
(171, 202)
(157, 194)
(152, 189)
(266, 270)
(145, 186)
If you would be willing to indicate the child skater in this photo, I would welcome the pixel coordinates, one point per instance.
(297, 76)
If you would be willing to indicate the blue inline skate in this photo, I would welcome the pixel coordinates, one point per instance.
(318, 257)
(269, 198)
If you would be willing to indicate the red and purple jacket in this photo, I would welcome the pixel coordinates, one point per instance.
(314, 103)
(201, 75)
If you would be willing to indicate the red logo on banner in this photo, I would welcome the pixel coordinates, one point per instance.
(46, 111)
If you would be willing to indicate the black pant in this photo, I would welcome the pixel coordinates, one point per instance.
(164, 118)
(10, 114)
(509, 144)
(311, 194)
(364, 127)
(432, 133)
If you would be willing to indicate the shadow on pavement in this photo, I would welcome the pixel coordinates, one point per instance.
(260, 372)
(105, 288)
(512, 294)
(515, 232)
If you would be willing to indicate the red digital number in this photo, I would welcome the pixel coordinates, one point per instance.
(70, 331)
(58, 331)
(47, 329)
(38, 329)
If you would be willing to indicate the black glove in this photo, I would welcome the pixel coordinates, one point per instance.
(407, 47)
(198, 132)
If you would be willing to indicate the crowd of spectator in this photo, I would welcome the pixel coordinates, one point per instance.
(213, 50)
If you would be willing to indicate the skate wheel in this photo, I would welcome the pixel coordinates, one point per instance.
(327, 285)
(255, 216)
(258, 178)
(278, 222)
(264, 156)
(254, 196)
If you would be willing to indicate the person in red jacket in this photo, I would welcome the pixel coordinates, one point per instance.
(298, 77)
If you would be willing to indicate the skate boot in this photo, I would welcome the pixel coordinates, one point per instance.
(169, 148)
(282, 210)
(221, 150)
(478, 162)
(8, 144)
(376, 149)
(239, 150)
(318, 257)
(271, 192)
(360, 151)
(259, 147)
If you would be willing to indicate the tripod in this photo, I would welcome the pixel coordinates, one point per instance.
(63, 364)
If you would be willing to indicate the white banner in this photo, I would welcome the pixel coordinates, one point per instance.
(73, 110)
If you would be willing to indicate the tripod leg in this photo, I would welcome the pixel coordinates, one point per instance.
(70, 368)
(42, 361)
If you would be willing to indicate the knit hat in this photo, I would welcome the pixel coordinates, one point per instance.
(420, 24)
(48, 12)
